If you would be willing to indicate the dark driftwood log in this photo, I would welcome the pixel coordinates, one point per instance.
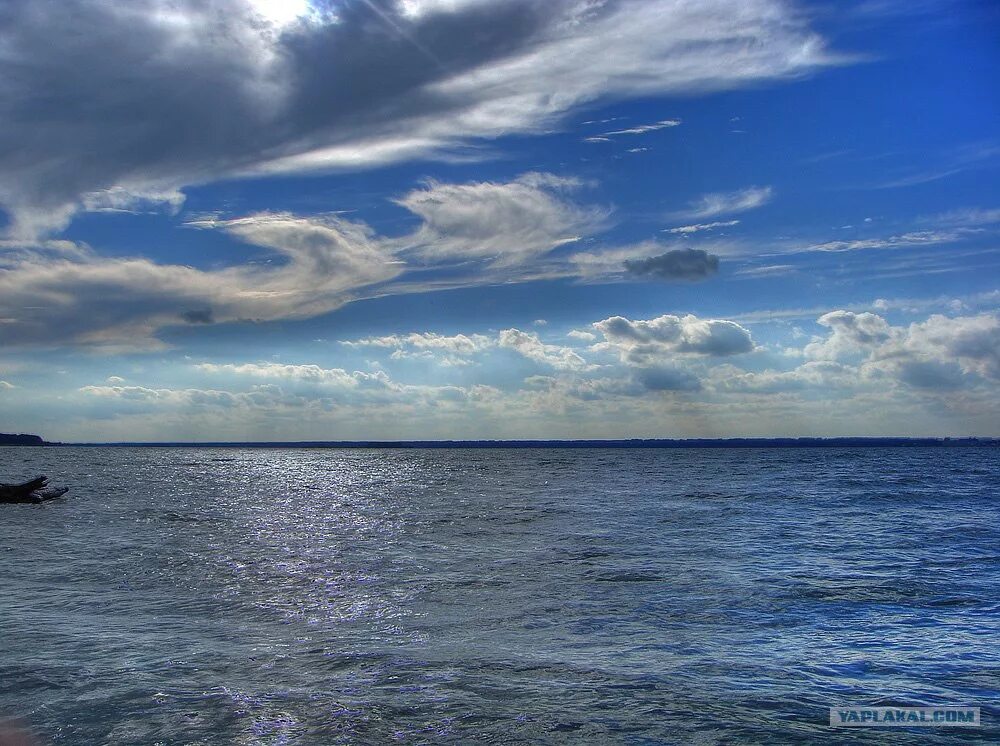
(33, 491)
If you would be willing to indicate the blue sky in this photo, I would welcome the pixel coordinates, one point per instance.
(470, 219)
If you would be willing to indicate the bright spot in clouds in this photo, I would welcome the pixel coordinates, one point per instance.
(281, 12)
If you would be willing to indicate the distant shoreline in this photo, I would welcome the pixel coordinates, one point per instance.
(840, 442)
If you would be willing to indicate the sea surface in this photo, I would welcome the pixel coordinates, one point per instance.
(716, 596)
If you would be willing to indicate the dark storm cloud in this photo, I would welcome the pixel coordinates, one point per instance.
(679, 264)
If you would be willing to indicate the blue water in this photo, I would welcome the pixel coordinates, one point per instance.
(189, 596)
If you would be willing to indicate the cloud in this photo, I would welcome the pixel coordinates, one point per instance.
(191, 397)
(641, 129)
(450, 351)
(6, 386)
(903, 240)
(308, 373)
(645, 342)
(698, 227)
(459, 344)
(768, 270)
(679, 264)
(968, 157)
(664, 378)
(505, 223)
(314, 383)
(969, 216)
(483, 232)
(973, 342)
(119, 199)
(722, 203)
(122, 302)
(530, 346)
(149, 97)
(851, 334)
(939, 352)
(817, 375)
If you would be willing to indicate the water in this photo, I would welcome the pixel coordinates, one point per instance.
(449, 596)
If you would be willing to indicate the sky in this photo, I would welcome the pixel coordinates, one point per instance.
(448, 219)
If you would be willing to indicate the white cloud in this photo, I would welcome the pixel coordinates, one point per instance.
(819, 375)
(851, 334)
(969, 216)
(415, 9)
(698, 227)
(449, 351)
(973, 342)
(644, 342)
(191, 397)
(122, 302)
(767, 270)
(459, 344)
(6, 386)
(641, 129)
(722, 203)
(934, 353)
(530, 346)
(337, 384)
(503, 222)
(481, 233)
(904, 240)
(119, 199)
(308, 373)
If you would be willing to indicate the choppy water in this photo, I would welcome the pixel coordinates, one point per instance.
(450, 596)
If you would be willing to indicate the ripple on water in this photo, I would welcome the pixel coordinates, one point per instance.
(376, 596)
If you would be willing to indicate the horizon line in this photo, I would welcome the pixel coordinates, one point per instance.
(731, 442)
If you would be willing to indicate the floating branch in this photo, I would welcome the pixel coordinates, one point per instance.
(33, 491)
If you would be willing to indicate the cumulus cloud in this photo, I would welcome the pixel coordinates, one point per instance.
(646, 342)
(149, 97)
(940, 352)
(679, 264)
(973, 342)
(850, 334)
(530, 346)
(723, 203)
